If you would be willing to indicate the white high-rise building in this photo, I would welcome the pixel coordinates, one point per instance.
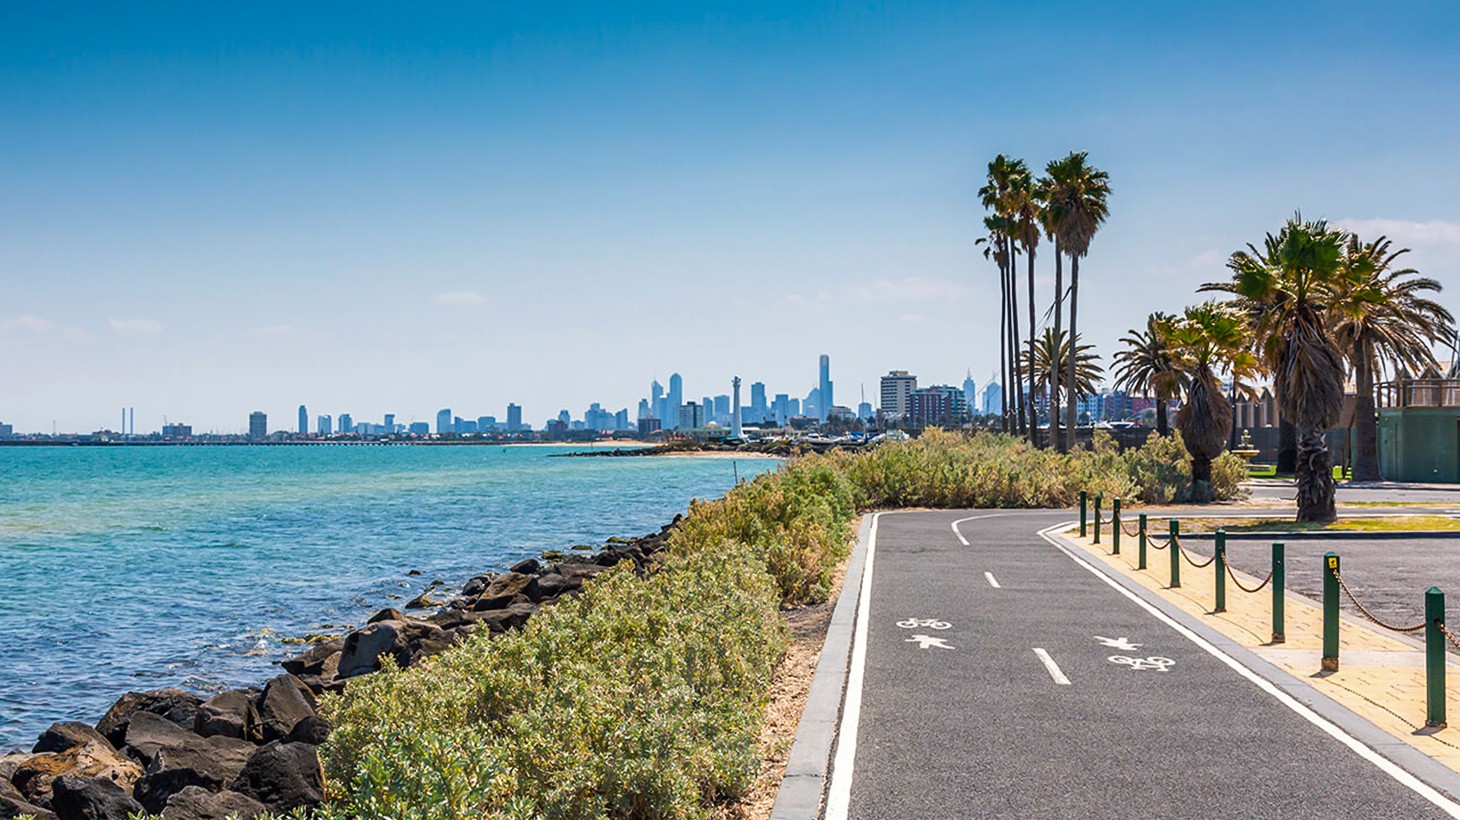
(897, 390)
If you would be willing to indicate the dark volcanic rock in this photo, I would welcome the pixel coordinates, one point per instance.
(388, 614)
(486, 603)
(314, 661)
(174, 704)
(230, 714)
(422, 601)
(146, 733)
(313, 730)
(406, 641)
(509, 584)
(548, 586)
(210, 763)
(63, 736)
(90, 798)
(283, 776)
(501, 620)
(197, 803)
(14, 804)
(528, 566)
(475, 586)
(35, 776)
(285, 702)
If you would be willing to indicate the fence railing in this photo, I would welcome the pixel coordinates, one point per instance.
(1436, 635)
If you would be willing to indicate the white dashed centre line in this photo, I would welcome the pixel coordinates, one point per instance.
(993, 582)
(1054, 668)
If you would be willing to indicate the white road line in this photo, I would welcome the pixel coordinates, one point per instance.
(954, 525)
(1357, 746)
(839, 793)
(992, 582)
(1054, 668)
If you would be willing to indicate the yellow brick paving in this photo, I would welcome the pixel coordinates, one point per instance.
(1380, 677)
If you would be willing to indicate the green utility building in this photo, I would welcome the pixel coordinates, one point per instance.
(1420, 444)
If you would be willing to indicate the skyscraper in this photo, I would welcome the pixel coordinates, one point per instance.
(326, 425)
(303, 421)
(823, 397)
(644, 411)
(781, 409)
(811, 407)
(514, 418)
(993, 399)
(389, 424)
(674, 400)
(443, 421)
(258, 425)
(757, 402)
(970, 391)
(897, 390)
(347, 424)
(691, 416)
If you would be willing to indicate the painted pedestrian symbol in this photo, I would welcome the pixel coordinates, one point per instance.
(928, 642)
(928, 623)
(1123, 644)
(1155, 662)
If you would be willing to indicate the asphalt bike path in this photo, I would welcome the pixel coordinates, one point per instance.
(1003, 679)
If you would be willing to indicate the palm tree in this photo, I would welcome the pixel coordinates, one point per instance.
(1026, 214)
(1383, 318)
(1147, 366)
(1051, 354)
(1207, 340)
(1077, 207)
(997, 196)
(1289, 288)
(996, 248)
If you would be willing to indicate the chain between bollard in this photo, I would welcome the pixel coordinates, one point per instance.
(1188, 558)
(1133, 532)
(1448, 635)
(1238, 582)
(1371, 616)
(1151, 540)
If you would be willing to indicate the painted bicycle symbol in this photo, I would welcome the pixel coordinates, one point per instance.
(929, 623)
(1155, 662)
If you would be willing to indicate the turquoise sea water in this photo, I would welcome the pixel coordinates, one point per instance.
(143, 567)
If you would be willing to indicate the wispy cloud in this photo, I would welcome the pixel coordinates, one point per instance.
(135, 327)
(27, 324)
(271, 330)
(459, 297)
(1434, 232)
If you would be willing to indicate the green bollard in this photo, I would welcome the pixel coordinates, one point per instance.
(1434, 659)
(1175, 554)
(1279, 593)
(1098, 499)
(1330, 612)
(1084, 501)
(1219, 560)
(1115, 527)
(1142, 540)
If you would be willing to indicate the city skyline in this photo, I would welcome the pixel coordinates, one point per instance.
(208, 210)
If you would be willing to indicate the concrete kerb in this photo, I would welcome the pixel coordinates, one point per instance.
(803, 786)
(1418, 764)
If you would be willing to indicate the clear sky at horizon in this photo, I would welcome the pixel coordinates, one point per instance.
(207, 210)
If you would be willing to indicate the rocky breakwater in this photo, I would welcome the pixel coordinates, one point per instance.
(252, 752)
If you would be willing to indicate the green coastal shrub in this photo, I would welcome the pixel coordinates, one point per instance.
(639, 698)
(644, 696)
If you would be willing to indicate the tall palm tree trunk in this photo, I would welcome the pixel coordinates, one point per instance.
(1163, 425)
(1033, 413)
(1055, 439)
(1315, 476)
(1287, 458)
(1019, 408)
(1070, 410)
(1366, 457)
(1003, 351)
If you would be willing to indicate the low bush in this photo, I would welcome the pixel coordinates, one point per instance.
(644, 696)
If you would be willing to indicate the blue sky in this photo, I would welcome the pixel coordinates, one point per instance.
(207, 210)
